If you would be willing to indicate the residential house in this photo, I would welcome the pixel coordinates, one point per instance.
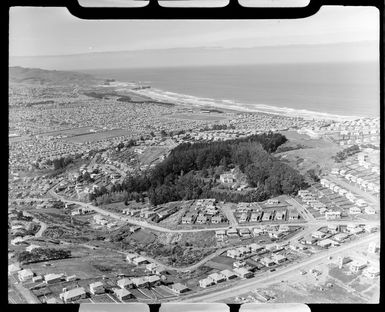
(139, 261)
(234, 253)
(357, 265)
(370, 210)
(256, 216)
(255, 247)
(37, 279)
(227, 178)
(280, 215)
(140, 282)
(272, 201)
(372, 271)
(125, 283)
(266, 216)
(318, 234)
(217, 219)
(326, 243)
(179, 288)
(228, 274)
(220, 235)
(278, 259)
(52, 278)
(266, 261)
(217, 277)
(73, 294)
(276, 234)
(202, 219)
(332, 215)
(97, 288)
(239, 264)
(122, 293)
(293, 215)
(232, 233)
(206, 282)
(153, 280)
(258, 231)
(243, 217)
(244, 232)
(354, 210)
(25, 275)
(71, 278)
(243, 273)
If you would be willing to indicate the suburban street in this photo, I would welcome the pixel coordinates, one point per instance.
(273, 277)
(166, 230)
(372, 199)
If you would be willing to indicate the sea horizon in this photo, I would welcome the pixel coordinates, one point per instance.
(330, 89)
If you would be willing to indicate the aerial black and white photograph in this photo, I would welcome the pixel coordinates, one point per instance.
(193, 161)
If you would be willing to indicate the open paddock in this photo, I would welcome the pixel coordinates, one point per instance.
(152, 153)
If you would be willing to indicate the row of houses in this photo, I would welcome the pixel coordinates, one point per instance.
(359, 202)
(224, 275)
(265, 216)
(361, 182)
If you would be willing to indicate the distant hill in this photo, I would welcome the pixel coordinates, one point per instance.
(49, 77)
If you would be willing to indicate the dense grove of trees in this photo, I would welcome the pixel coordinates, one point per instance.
(60, 163)
(345, 153)
(180, 175)
(42, 254)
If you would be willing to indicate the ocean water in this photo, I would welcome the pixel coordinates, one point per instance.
(348, 89)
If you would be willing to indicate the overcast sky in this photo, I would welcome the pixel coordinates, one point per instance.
(54, 31)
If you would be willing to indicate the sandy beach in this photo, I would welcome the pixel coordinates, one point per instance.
(200, 102)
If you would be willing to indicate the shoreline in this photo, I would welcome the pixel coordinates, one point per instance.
(227, 105)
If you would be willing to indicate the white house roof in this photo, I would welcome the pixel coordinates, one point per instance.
(96, 284)
(52, 276)
(73, 293)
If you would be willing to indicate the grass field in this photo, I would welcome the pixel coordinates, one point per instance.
(69, 132)
(98, 136)
(151, 153)
(319, 152)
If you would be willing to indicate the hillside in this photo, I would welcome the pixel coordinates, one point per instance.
(49, 77)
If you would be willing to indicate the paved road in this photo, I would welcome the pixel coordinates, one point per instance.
(301, 209)
(154, 227)
(249, 285)
(370, 198)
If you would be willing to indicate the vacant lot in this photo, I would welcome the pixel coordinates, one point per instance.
(152, 153)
